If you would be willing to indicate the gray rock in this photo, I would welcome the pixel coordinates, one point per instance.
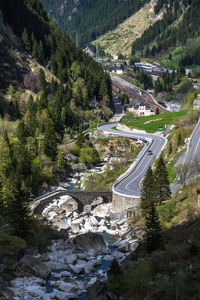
(117, 254)
(44, 257)
(99, 291)
(63, 296)
(71, 259)
(29, 266)
(77, 269)
(5, 292)
(67, 286)
(108, 258)
(88, 241)
(82, 256)
(65, 274)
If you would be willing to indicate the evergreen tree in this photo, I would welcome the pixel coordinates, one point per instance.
(170, 148)
(157, 111)
(50, 145)
(35, 50)
(41, 53)
(153, 236)
(162, 183)
(115, 269)
(26, 40)
(148, 192)
(17, 209)
(179, 139)
(21, 132)
(42, 80)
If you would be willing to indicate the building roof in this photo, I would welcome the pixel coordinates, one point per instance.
(136, 103)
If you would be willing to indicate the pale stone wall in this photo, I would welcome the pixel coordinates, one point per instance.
(120, 203)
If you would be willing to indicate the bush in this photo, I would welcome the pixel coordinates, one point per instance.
(75, 150)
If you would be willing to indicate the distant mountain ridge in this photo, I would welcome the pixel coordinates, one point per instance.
(85, 20)
(180, 23)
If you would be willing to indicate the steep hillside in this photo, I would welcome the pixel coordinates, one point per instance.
(49, 89)
(120, 39)
(85, 20)
(180, 22)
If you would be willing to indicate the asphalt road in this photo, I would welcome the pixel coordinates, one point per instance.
(129, 184)
(193, 151)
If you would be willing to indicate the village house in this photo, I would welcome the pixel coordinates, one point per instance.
(139, 108)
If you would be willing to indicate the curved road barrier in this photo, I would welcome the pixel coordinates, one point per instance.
(129, 184)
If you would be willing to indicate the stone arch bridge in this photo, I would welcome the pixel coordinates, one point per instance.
(83, 198)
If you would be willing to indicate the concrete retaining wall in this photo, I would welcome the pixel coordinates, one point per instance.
(120, 203)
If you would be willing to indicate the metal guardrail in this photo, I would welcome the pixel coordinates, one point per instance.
(148, 142)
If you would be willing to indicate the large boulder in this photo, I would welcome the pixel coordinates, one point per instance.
(99, 291)
(88, 241)
(30, 266)
(5, 292)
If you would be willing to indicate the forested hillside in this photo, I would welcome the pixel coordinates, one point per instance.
(180, 23)
(86, 20)
(48, 88)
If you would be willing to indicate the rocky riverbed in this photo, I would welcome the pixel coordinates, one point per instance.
(90, 241)
(72, 264)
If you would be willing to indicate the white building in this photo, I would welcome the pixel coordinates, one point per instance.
(140, 109)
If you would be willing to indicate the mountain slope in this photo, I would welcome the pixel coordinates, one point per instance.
(180, 22)
(85, 20)
(120, 39)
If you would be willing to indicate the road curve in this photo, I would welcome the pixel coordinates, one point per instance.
(128, 184)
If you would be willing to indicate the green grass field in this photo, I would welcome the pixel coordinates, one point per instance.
(176, 56)
(157, 120)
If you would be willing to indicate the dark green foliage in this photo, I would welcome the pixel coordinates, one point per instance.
(22, 132)
(157, 111)
(50, 145)
(86, 20)
(42, 80)
(26, 40)
(17, 210)
(80, 140)
(153, 236)
(148, 192)
(170, 148)
(162, 184)
(124, 98)
(115, 269)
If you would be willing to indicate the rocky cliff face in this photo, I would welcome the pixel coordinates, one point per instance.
(13, 60)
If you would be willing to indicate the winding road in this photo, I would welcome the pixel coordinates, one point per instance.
(129, 184)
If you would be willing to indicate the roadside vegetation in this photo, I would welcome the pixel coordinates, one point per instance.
(166, 263)
(153, 123)
(123, 151)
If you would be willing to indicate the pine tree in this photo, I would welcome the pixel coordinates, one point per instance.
(21, 132)
(148, 192)
(41, 53)
(42, 80)
(35, 50)
(157, 111)
(115, 269)
(179, 139)
(153, 236)
(170, 148)
(162, 183)
(26, 40)
(50, 145)
(17, 209)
